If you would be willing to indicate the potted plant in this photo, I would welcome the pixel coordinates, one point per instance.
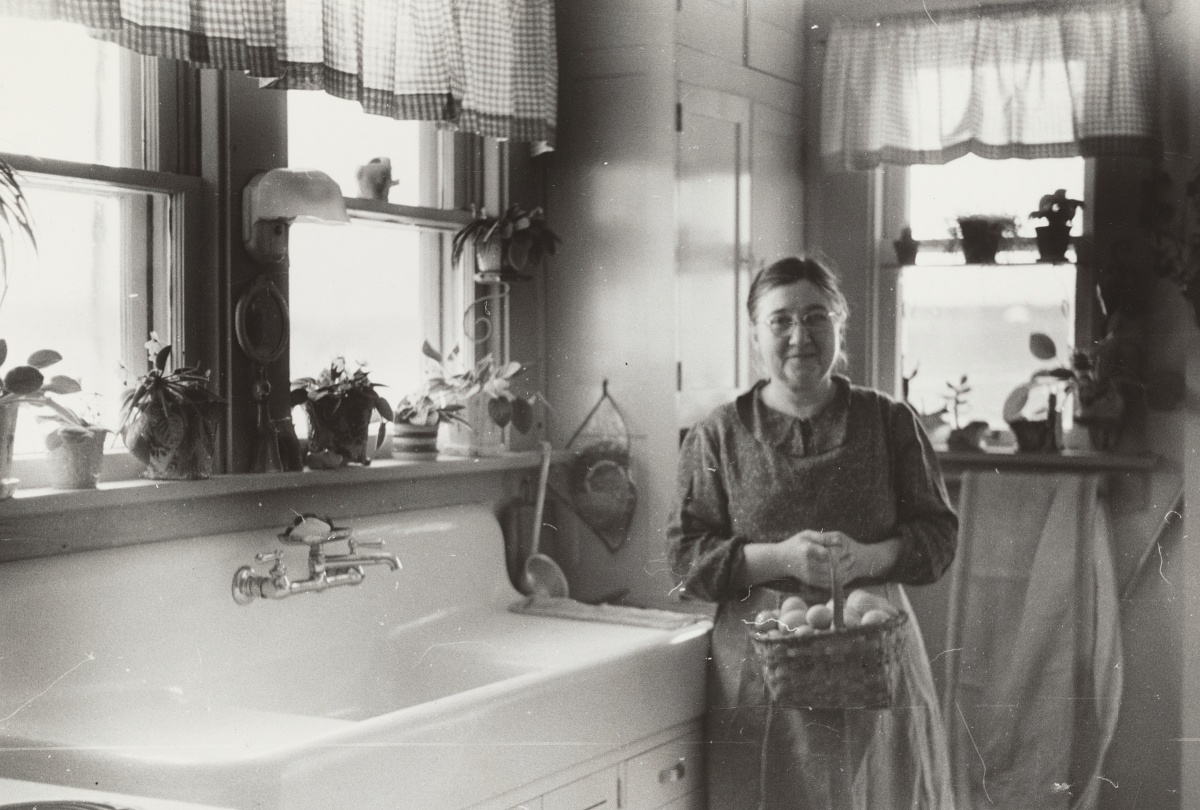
(506, 245)
(1054, 237)
(966, 438)
(445, 395)
(76, 446)
(982, 235)
(169, 418)
(24, 384)
(339, 404)
(906, 247)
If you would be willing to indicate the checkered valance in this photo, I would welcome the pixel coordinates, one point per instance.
(1029, 81)
(485, 66)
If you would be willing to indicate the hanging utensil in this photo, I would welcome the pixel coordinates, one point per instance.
(543, 577)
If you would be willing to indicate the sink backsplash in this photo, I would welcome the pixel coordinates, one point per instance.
(161, 615)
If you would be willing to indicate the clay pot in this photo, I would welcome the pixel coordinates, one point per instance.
(76, 458)
(415, 442)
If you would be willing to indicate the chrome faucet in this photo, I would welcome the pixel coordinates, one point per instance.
(324, 570)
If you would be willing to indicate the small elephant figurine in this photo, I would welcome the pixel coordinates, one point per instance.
(375, 179)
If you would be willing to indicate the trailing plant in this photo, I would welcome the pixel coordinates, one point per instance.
(445, 393)
(522, 235)
(169, 418)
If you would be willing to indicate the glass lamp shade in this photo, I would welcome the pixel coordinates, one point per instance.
(274, 199)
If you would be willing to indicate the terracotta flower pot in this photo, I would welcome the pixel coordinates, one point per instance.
(981, 239)
(76, 458)
(1052, 242)
(414, 442)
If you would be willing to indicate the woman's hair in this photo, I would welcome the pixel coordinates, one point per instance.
(794, 269)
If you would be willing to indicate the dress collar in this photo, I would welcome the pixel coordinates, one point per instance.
(821, 433)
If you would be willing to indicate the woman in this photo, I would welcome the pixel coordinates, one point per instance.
(803, 468)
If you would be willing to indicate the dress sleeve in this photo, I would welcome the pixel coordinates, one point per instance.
(706, 559)
(925, 522)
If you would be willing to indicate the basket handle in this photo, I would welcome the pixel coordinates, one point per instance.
(839, 598)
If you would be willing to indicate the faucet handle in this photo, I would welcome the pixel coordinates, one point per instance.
(275, 558)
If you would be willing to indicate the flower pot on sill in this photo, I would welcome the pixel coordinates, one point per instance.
(176, 445)
(414, 442)
(1052, 243)
(76, 458)
(338, 428)
(981, 239)
(1034, 435)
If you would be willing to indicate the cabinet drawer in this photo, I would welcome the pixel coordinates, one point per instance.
(665, 773)
(595, 792)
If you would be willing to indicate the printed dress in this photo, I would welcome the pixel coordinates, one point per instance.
(750, 474)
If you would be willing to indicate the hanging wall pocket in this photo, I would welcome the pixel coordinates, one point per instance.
(602, 493)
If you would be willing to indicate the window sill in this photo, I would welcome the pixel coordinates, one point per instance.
(45, 522)
(955, 463)
(131, 492)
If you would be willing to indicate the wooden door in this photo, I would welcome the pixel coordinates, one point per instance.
(713, 186)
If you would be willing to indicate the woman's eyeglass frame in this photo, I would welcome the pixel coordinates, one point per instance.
(814, 321)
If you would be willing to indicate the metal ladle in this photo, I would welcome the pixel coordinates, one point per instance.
(543, 577)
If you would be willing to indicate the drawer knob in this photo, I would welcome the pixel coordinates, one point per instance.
(674, 773)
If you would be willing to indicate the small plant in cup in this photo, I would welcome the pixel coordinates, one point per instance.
(968, 437)
(75, 444)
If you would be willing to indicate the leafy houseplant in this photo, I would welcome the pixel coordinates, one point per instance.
(24, 384)
(506, 245)
(968, 437)
(169, 418)
(76, 447)
(982, 235)
(446, 394)
(1054, 237)
(339, 405)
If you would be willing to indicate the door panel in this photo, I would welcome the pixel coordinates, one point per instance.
(713, 209)
(774, 37)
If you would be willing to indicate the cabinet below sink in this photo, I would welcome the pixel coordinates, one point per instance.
(664, 771)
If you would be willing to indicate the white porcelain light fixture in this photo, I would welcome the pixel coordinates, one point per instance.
(274, 199)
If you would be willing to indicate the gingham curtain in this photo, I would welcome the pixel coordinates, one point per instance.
(1030, 81)
(485, 66)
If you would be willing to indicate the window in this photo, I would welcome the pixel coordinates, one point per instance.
(975, 320)
(371, 292)
(109, 223)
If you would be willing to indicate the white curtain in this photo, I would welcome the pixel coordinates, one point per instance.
(483, 66)
(1029, 81)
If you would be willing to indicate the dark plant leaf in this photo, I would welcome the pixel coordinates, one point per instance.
(500, 410)
(1059, 373)
(23, 380)
(44, 357)
(61, 384)
(522, 415)
(381, 435)
(1042, 346)
(298, 396)
(3, 351)
(384, 409)
(430, 352)
(160, 360)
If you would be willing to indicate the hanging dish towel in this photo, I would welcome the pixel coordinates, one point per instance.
(1033, 679)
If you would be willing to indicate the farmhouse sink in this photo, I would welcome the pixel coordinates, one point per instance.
(135, 670)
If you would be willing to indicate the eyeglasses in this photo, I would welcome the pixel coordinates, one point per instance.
(782, 324)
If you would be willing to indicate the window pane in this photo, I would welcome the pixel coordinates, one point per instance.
(975, 185)
(86, 293)
(976, 321)
(65, 95)
(355, 291)
(336, 136)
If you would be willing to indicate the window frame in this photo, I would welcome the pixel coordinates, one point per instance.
(892, 204)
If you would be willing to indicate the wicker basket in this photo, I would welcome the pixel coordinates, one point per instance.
(844, 668)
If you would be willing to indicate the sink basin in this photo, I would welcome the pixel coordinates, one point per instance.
(417, 689)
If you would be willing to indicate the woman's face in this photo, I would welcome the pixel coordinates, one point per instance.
(796, 334)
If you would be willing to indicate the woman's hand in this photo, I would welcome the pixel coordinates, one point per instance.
(859, 560)
(806, 556)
